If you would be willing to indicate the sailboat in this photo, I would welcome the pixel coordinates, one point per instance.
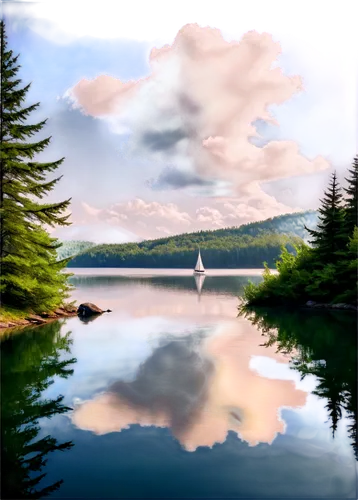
(199, 267)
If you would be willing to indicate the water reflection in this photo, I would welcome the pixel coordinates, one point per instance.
(165, 296)
(164, 365)
(323, 345)
(200, 387)
(88, 319)
(218, 285)
(29, 361)
(199, 282)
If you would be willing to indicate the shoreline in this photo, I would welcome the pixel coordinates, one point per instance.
(148, 272)
(309, 306)
(37, 319)
(70, 311)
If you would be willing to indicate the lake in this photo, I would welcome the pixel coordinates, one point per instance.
(173, 395)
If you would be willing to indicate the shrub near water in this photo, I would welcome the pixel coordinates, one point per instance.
(286, 286)
(325, 272)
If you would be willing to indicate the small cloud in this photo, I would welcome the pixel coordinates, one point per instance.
(173, 178)
(155, 134)
(103, 95)
(90, 210)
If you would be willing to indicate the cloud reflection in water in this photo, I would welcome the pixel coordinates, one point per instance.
(201, 387)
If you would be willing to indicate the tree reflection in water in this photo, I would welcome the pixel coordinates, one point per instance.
(29, 361)
(323, 344)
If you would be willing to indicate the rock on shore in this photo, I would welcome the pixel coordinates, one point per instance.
(87, 309)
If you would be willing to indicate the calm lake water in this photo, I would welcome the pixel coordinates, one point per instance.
(173, 395)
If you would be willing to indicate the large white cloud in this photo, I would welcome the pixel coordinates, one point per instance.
(198, 110)
(222, 86)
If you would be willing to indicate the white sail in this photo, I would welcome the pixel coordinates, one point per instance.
(199, 265)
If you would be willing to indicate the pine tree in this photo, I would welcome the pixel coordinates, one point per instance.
(351, 201)
(30, 275)
(328, 240)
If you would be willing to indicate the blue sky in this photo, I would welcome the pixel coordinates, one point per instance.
(114, 179)
(54, 68)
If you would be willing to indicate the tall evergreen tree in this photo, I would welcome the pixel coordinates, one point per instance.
(351, 201)
(30, 275)
(328, 240)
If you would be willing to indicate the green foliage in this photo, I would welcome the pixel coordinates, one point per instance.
(320, 344)
(10, 314)
(246, 246)
(346, 272)
(327, 272)
(225, 252)
(284, 287)
(351, 202)
(31, 276)
(30, 361)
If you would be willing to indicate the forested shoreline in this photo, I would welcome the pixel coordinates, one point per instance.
(247, 246)
(326, 271)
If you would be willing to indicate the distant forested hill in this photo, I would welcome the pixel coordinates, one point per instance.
(246, 246)
(72, 248)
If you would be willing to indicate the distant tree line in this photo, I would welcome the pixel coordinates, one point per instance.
(246, 246)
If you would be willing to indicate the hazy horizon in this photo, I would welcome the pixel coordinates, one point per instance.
(67, 234)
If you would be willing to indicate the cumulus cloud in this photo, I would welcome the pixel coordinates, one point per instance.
(182, 111)
(147, 219)
(102, 96)
(201, 108)
(109, 93)
(207, 214)
(154, 219)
